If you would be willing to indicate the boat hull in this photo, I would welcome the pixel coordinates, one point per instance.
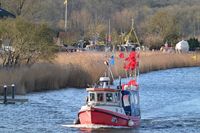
(105, 117)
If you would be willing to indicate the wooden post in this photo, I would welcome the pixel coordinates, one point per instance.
(5, 94)
(13, 91)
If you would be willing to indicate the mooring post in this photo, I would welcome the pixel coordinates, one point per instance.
(13, 91)
(5, 94)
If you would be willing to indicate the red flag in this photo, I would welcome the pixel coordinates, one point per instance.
(126, 67)
(132, 82)
(132, 55)
(131, 61)
(121, 55)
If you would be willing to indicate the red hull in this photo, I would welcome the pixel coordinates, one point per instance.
(106, 117)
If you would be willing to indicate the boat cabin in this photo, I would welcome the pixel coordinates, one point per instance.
(103, 96)
(127, 99)
(130, 102)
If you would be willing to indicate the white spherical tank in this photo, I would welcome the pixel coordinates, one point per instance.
(182, 46)
(130, 123)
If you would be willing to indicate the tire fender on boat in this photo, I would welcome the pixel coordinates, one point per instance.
(130, 123)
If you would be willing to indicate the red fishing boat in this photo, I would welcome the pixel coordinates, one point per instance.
(113, 106)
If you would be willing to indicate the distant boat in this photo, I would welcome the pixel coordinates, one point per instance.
(131, 39)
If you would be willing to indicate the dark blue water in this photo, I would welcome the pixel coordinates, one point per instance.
(170, 102)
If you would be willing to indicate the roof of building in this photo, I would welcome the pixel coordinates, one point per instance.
(4, 13)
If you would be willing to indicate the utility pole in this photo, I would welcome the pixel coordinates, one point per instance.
(65, 2)
(109, 32)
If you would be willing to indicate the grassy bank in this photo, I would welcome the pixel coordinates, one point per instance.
(84, 68)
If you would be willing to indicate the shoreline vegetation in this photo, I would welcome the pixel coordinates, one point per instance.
(82, 69)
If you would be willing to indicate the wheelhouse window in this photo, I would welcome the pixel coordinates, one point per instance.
(117, 96)
(109, 97)
(136, 99)
(104, 84)
(100, 97)
(126, 100)
(92, 97)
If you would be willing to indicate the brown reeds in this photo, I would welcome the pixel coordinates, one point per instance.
(158, 61)
(40, 77)
(84, 68)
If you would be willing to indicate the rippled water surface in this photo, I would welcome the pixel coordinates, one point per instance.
(170, 102)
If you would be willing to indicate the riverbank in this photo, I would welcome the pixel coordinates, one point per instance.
(84, 68)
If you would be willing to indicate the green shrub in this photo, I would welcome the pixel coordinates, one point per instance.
(193, 43)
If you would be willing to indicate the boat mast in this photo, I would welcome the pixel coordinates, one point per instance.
(136, 71)
(134, 32)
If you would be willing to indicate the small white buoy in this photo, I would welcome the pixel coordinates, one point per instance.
(130, 123)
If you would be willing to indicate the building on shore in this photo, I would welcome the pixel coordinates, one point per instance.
(5, 14)
(5, 45)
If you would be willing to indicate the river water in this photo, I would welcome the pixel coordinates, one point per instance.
(170, 103)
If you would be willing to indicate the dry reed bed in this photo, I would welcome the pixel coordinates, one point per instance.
(84, 68)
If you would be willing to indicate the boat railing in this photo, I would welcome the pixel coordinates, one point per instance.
(103, 104)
